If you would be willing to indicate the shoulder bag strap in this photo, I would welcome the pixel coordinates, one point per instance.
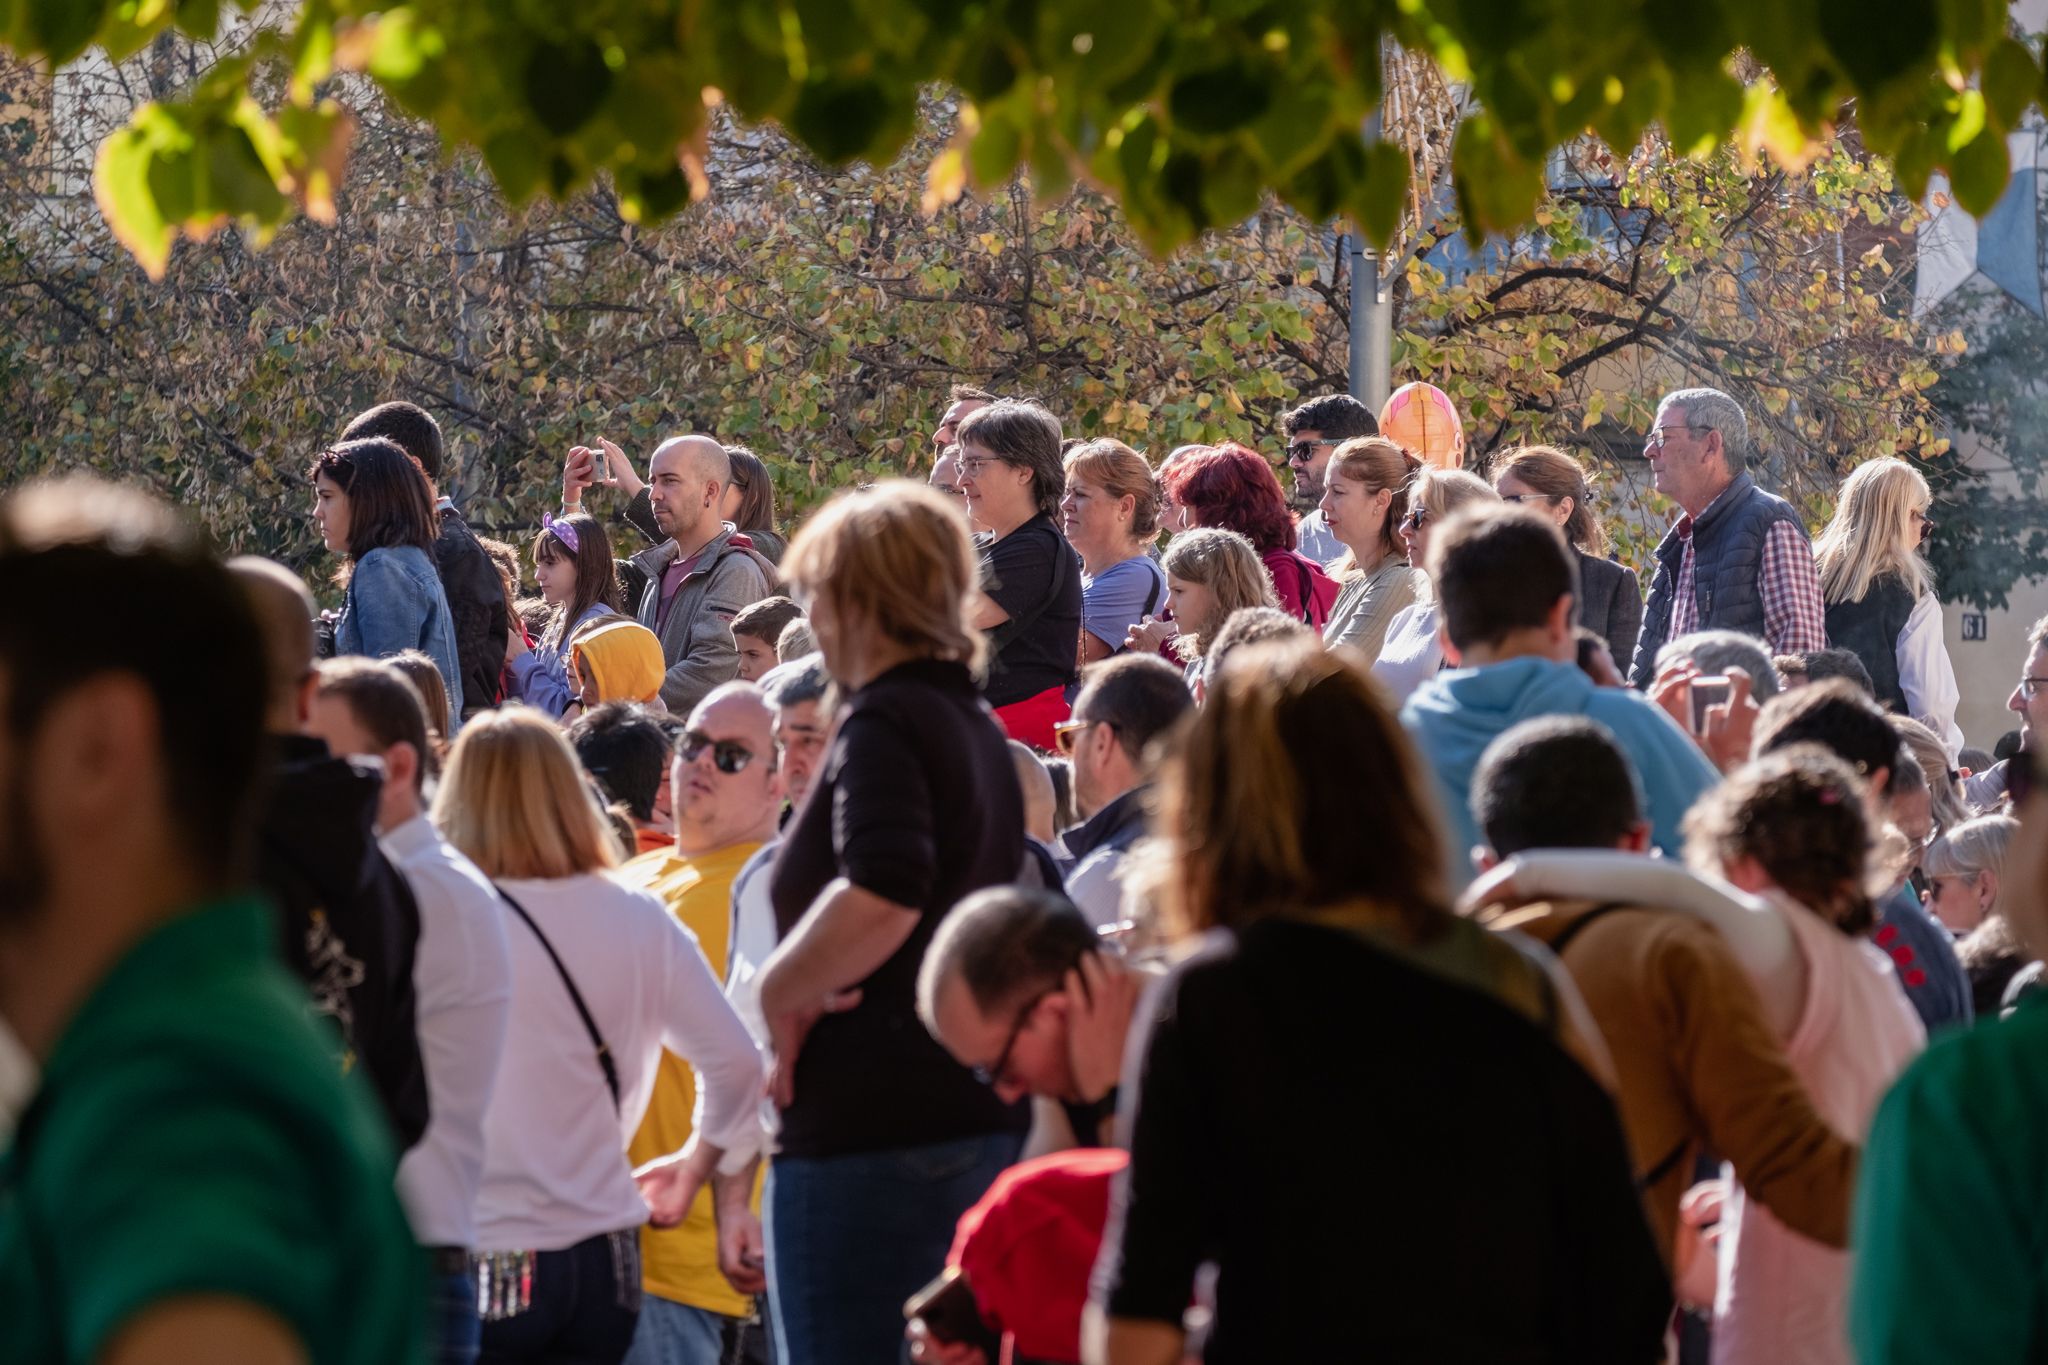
(604, 1053)
(1580, 925)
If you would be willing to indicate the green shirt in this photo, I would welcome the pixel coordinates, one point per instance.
(1951, 1225)
(190, 1136)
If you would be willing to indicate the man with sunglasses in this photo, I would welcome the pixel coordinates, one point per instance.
(1739, 558)
(726, 790)
(1314, 430)
(1125, 705)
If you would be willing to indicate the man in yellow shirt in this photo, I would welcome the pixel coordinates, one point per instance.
(726, 789)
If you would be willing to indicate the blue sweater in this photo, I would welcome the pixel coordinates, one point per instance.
(1457, 713)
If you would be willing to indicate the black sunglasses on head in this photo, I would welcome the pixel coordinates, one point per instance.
(728, 756)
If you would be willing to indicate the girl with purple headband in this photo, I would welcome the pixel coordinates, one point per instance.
(572, 563)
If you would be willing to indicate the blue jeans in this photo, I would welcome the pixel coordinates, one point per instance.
(672, 1333)
(586, 1300)
(849, 1238)
(453, 1314)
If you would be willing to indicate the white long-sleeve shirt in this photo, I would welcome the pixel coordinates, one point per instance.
(555, 1169)
(1927, 677)
(462, 978)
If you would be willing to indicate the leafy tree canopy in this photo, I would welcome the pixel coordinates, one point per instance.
(1186, 111)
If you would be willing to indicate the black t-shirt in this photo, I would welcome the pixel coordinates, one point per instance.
(917, 802)
(1033, 574)
(1383, 1165)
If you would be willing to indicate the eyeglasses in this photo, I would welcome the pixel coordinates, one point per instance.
(1416, 516)
(728, 756)
(1067, 733)
(1519, 498)
(1655, 441)
(972, 466)
(991, 1074)
(1926, 526)
(1304, 450)
(2030, 688)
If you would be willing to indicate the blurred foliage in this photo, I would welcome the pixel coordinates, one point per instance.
(819, 316)
(1187, 113)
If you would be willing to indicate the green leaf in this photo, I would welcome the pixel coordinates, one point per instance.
(2012, 81)
(1496, 189)
(566, 85)
(844, 119)
(1878, 46)
(515, 161)
(1219, 99)
(1381, 197)
(121, 184)
(1979, 173)
(61, 29)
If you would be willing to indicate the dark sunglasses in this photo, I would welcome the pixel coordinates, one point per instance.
(728, 756)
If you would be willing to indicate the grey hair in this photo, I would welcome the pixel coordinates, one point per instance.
(1715, 651)
(1713, 410)
(796, 682)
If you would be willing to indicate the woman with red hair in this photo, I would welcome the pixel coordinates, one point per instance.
(1233, 488)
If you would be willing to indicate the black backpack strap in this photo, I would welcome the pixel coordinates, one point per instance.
(604, 1053)
(1651, 1178)
(1579, 925)
(1308, 584)
(1158, 577)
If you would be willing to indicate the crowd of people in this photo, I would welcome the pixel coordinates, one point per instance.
(1075, 908)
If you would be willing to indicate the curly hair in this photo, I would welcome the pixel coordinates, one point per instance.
(1800, 813)
(1233, 488)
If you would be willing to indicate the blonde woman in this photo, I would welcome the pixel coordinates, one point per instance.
(602, 981)
(1610, 596)
(1880, 600)
(1210, 573)
(886, 1139)
(1110, 513)
(1413, 652)
(1365, 496)
(1965, 874)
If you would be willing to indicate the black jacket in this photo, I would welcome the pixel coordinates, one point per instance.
(348, 923)
(1610, 605)
(476, 600)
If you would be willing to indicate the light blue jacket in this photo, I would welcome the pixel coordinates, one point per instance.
(395, 603)
(1456, 714)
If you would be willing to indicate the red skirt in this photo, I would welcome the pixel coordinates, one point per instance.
(1031, 720)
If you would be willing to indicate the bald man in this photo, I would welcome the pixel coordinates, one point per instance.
(350, 926)
(701, 575)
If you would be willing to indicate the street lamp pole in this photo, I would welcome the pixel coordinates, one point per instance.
(1372, 326)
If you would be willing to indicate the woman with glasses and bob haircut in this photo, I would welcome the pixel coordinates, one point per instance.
(602, 981)
(886, 1139)
(1314, 955)
(370, 504)
(1880, 595)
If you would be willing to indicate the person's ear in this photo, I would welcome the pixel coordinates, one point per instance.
(302, 704)
(1987, 888)
(402, 765)
(1566, 505)
(1453, 656)
(1558, 625)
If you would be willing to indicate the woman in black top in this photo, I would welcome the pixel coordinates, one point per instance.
(1610, 596)
(1013, 476)
(886, 1140)
(1353, 1103)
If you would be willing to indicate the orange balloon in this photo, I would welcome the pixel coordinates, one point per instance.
(1419, 418)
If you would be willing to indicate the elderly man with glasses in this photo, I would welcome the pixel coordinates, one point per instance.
(1739, 558)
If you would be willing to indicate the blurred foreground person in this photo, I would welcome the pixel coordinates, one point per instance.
(1319, 953)
(1953, 1209)
(254, 1220)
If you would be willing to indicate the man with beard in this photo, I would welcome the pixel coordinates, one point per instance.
(190, 1180)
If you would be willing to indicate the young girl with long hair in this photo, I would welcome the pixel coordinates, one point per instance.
(1211, 573)
(370, 504)
(572, 563)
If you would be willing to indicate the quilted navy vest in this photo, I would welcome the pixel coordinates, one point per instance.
(1728, 551)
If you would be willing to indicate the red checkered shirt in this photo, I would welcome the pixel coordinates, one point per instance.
(1795, 614)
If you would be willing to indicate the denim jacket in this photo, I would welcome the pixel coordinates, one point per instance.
(395, 603)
